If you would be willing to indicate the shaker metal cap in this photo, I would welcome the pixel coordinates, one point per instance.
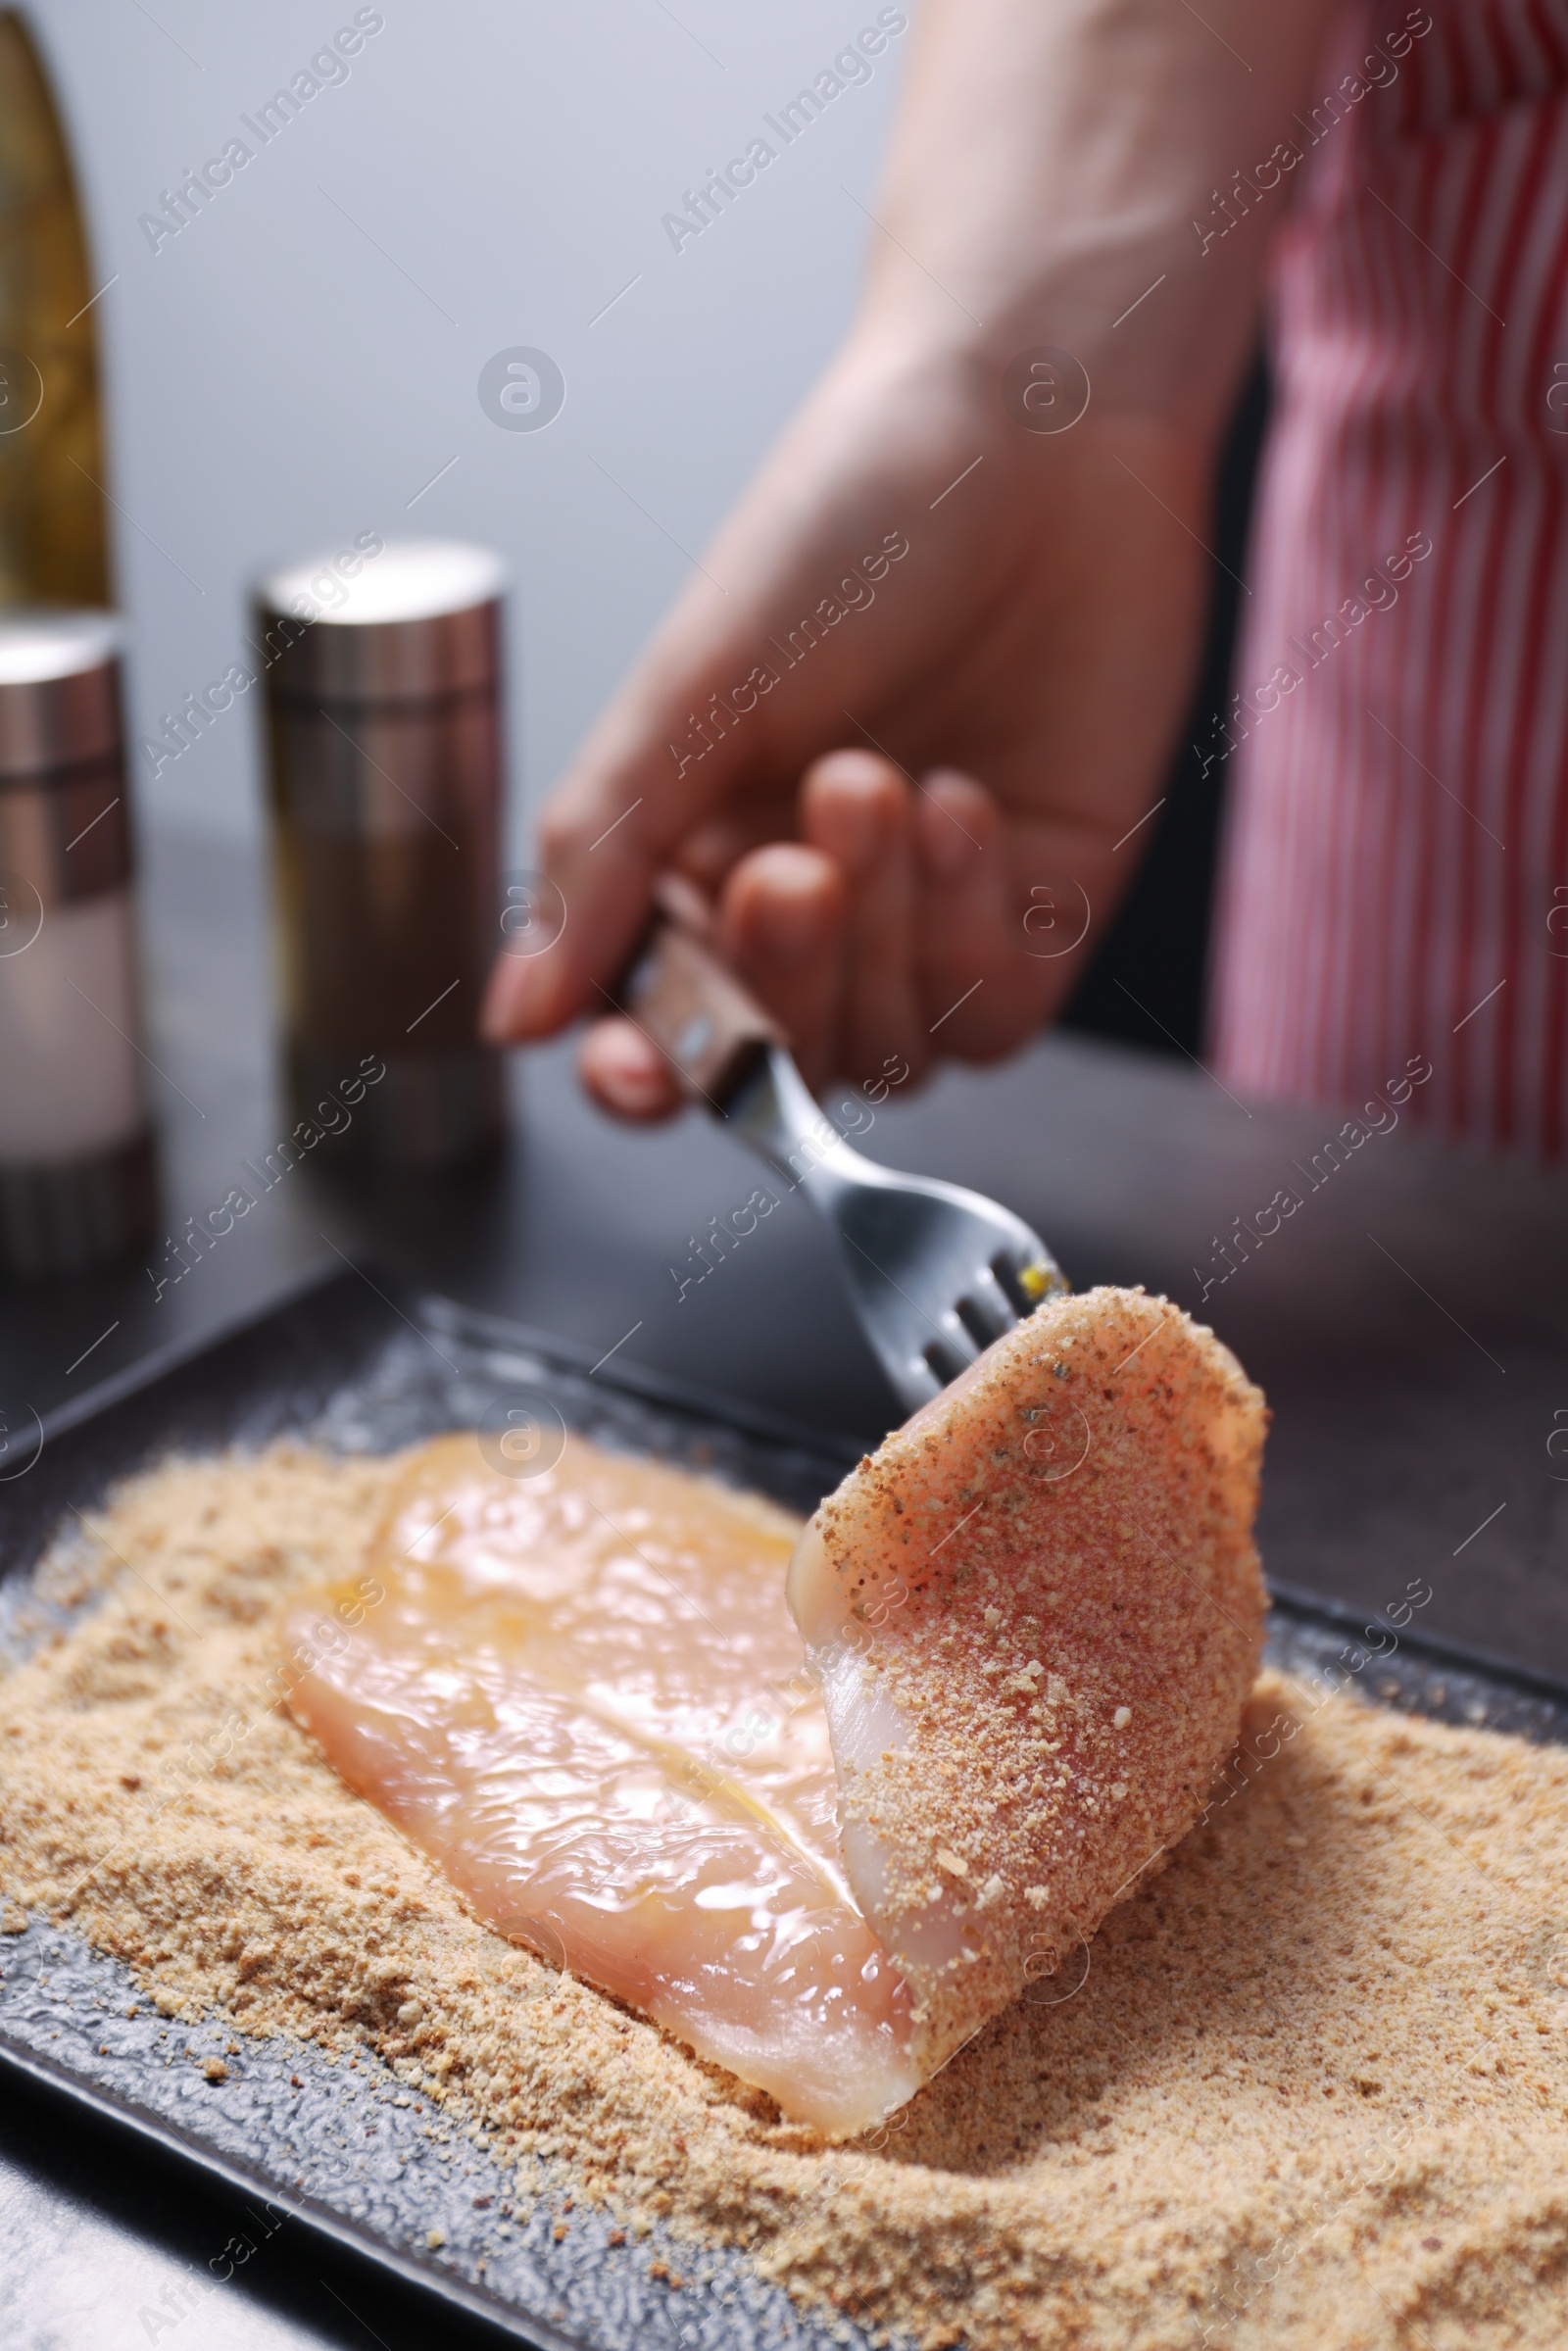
(59, 687)
(401, 621)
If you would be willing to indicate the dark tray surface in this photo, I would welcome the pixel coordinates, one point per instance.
(357, 1367)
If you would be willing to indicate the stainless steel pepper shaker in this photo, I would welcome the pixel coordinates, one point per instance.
(77, 1172)
(383, 711)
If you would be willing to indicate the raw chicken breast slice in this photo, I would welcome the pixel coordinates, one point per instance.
(583, 1696)
(1036, 1612)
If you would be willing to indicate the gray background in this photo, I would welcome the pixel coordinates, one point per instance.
(276, 380)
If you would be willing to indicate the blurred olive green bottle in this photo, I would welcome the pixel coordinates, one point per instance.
(53, 538)
(77, 1158)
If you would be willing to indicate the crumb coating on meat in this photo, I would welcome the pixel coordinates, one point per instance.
(1038, 1612)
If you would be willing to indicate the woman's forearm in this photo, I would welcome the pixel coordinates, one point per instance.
(1055, 159)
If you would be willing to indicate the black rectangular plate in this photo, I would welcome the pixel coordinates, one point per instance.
(356, 1366)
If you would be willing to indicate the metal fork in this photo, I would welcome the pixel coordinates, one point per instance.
(934, 1273)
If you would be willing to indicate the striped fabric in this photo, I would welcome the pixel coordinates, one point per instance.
(1396, 877)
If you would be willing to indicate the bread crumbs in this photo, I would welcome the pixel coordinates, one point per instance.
(1308, 2090)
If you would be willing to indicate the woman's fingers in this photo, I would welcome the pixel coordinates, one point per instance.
(782, 926)
(626, 1072)
(709, 852)
(893, 930)
(855, 808)
(781, 921)
(979, 990)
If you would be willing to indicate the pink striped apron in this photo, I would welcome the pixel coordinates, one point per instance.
(1394, 883)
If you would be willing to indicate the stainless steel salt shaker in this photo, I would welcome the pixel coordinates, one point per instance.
(77, 1170)
(383, 712)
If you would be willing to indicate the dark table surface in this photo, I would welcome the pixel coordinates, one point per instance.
(1408, 1321)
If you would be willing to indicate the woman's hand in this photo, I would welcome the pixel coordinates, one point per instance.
(972, 641)
(905, 719)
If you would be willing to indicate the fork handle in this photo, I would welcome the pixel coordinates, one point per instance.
(711, 1030)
